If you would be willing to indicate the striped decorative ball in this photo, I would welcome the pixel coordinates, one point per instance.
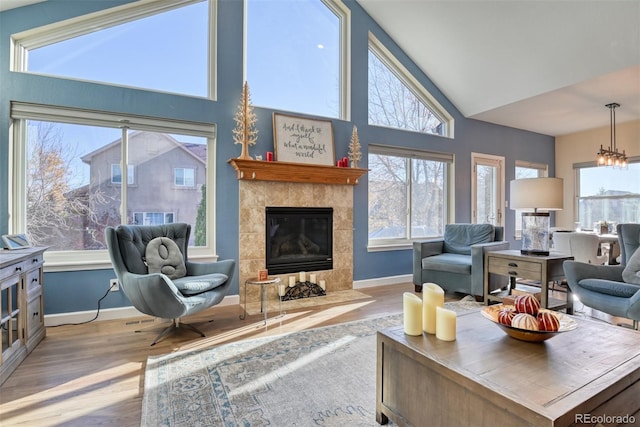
(525, 321)
(527, 304)
(548, 321)
(505, 316)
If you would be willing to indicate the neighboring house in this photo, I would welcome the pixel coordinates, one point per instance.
(165, 179)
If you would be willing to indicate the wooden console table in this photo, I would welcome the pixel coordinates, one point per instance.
(543, 269)
(21, 305)
(486, 378)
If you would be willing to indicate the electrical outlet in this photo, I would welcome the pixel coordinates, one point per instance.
(114, 285)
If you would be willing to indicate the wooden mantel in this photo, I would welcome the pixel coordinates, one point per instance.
(261, 170)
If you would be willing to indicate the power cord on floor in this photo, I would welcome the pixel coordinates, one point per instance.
(94, 318)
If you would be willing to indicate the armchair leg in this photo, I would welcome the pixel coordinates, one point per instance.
(418, 288)
(173, 327)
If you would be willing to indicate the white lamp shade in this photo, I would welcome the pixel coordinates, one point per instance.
(537, 193)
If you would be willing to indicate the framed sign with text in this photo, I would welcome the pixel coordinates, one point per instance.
(302, 140)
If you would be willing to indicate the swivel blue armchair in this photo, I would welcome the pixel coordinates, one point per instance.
(155, 274)
(602, 286)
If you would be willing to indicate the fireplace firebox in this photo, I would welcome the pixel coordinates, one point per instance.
(299, 239)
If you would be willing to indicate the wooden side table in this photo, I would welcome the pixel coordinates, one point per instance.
(543, 269)
(263, 294)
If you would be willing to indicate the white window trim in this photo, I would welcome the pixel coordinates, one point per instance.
(97, 259)
(175, 177)
(56, 32)
(379, 245)
(401, 72)
(518, 218)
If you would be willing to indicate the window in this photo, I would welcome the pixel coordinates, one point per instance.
(408, 194)
(153, 218)
(608, 194)
(527, 170)
(65, 164)
(184, 177)
(116, 174)
(166, 47)
(297, 55)
(398, 100)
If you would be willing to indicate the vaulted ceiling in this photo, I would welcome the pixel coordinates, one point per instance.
(546, 66)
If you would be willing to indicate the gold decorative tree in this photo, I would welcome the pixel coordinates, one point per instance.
(245, 132)
(354, 148)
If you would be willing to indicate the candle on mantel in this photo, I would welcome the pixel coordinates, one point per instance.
(292, 281)
(281, 290)
(303, 276)
(323, 285)
(411, 306)
(432, 297)
(445, 324)
(312, 278)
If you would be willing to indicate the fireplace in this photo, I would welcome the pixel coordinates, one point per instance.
(299, 239)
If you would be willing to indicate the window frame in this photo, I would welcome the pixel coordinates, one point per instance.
(378, 245)
(544, 172)
(66, 29)
(385, 56)
(131, 174)
(175, 177)
(576, 195)
(97, 259)
(343, 13)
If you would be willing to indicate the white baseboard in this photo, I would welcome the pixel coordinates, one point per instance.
(111, 313)
(382, 281)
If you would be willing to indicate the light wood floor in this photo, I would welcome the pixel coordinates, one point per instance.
(92, 374)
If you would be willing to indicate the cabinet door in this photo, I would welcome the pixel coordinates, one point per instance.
(35, 315)
(11, 317)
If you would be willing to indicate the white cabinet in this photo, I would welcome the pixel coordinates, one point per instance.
(21, 306)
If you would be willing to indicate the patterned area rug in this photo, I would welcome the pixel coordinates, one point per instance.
(317, 377)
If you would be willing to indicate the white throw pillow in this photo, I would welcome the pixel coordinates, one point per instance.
(631, 272)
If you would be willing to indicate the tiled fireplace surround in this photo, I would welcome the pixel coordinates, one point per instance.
(255, 196)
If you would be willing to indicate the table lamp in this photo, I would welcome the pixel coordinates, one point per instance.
(544, 194)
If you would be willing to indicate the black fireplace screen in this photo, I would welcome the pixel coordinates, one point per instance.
(299, 239)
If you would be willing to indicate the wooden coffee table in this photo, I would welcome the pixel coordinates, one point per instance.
(486, 378)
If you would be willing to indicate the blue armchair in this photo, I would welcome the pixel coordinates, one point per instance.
(456, 262)
(152, 266)
(602, 286)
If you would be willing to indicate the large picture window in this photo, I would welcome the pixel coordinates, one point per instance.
(408, 195)
(398, 100)
(166, 47)
(69, 186)
(608, 194)
(297, 55)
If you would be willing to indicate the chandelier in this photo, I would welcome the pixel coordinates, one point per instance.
(610, 156)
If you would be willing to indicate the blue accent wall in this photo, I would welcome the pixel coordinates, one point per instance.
(80, 290)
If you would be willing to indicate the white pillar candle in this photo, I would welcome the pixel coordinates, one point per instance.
(281, 291)
(323, 285)
(445, 324)
(432, 297)
(303, 276)
(411, 306)
(312, 278)
(292, 281)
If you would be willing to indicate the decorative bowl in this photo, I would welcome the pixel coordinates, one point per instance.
(566, 324)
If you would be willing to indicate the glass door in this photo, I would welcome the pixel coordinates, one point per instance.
(488, 189)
